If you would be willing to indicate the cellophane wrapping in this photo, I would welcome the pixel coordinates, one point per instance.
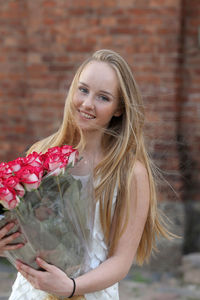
(56, 221)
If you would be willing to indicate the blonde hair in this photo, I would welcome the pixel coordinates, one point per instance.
(123, 143)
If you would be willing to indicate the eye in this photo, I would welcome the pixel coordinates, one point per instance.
(103, 97)
(83, 90)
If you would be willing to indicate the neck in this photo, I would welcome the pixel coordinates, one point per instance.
(93, 149)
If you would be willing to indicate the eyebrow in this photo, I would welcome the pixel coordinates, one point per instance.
(102, 91)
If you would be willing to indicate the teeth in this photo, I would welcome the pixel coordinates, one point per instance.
(86, 115)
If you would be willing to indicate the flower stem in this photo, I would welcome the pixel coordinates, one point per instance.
(19, 214)
(60, 192)
(38, 194)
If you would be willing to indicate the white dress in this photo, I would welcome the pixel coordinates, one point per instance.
(23, 290)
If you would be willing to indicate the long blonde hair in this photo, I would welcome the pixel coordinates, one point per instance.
(123, 143)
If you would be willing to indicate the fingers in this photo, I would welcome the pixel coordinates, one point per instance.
(11, 247)
(6, 240)
(45, 281)
(25, 269)
(44, 265)
(26, 272)
(5, 229)
(33, 276)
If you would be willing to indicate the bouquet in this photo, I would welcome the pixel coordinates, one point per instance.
(50, 198)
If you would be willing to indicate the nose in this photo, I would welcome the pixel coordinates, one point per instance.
(88, 102)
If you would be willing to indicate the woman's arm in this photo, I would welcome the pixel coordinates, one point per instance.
(115, 267)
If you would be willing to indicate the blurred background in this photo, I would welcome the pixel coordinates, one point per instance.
(42, 43)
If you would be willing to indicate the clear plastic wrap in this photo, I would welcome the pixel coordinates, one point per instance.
(56, 221)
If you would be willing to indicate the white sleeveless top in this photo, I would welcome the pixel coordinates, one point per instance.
(23, 290)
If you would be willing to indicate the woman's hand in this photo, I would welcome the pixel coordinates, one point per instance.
(52, 280)
(6, 240)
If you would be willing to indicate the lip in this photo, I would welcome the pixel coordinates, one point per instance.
(81, 113)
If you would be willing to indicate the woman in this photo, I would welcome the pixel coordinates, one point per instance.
(104, 119)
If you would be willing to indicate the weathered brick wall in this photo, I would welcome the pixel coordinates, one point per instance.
(12, 78)
(190, 100)
(44, 41)
(189, 125)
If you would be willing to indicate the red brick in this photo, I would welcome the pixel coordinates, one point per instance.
(49, 3)
(125, 3)
(167, 3)
(108, 21)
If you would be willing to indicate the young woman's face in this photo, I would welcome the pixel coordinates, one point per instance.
(96, 98)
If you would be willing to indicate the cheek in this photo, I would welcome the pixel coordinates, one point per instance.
(106, 112)
(111, 110)
(76, 100)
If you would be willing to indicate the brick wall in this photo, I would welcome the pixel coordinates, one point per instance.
(12, 78)
(44, 41)
(189, 123)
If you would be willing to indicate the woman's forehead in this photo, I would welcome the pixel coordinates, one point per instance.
(99, 74)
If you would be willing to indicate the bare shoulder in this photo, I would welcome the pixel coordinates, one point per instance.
(141, 185)
(139, 170)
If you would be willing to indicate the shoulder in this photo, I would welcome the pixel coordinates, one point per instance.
(140, 185)
(139, 170)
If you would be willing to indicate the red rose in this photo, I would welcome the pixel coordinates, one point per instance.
(56, 159)
(53, 163)
(13, 182)
(73, 157)
(55, 149)
(8, 198)
(30, 177)
(53, 160)
(1, 183)
(2, 166)
(67, 150)
(16, 164)
(5, 171)
(70, 154)
(34, 159)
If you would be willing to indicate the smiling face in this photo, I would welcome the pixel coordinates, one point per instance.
(96, 97)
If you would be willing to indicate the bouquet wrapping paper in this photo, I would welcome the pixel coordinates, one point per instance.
(54, 208)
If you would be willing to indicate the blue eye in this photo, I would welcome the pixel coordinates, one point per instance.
(83, 90)
(104, 98)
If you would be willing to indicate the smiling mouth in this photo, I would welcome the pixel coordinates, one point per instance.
(86, 115)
